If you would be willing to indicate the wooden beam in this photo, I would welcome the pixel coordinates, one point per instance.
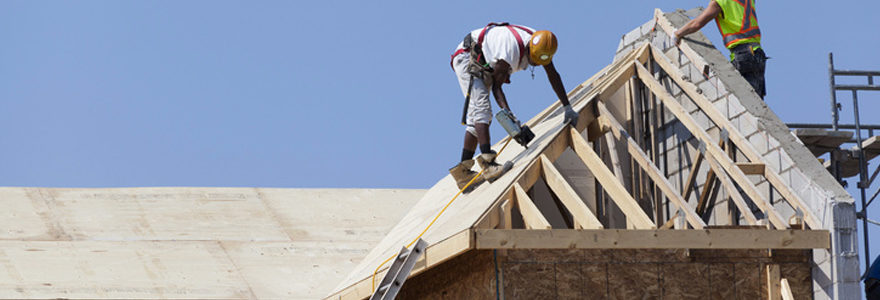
(505, 215)
(692, 55)
(785, 290)
(738, 139)
(692, 176)
(708, 186)
(735, 196)
(773, 282)
(652, 239)
(653, 172)
(530, 213)
(583, 217)
(751, 168)
(713, 150)
(614, 188)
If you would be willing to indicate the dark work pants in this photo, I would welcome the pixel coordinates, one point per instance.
(750, 65)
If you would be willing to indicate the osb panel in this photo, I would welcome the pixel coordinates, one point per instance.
(609, 274)
(749, 284)
(685, 281)
(570, 281)
(800, 279)
(529, 281)
(545, 255)
(595, 281)
(649, 256)
(469, 276)
(634, 281)
(720, 277)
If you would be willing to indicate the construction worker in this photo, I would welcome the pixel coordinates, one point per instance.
(738, 24)
(484, 61)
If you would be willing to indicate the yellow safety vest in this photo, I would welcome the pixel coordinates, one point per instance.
(738, 22)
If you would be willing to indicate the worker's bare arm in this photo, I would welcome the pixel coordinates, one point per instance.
(500, 76)
(556, 83)
(694, 25)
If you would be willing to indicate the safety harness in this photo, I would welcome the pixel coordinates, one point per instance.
(477, 66)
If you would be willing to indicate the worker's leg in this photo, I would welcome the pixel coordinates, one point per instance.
(462, 172)
(751, 66)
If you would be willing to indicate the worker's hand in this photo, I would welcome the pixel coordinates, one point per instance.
(571, 117)
(677, 38)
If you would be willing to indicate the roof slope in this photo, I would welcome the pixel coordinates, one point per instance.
(219, 243)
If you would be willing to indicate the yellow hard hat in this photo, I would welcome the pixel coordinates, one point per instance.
(542, 46)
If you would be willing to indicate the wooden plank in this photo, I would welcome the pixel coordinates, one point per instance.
(692, 55)
(611, 186)
(692, 176)
(653, 172)
(530, 213)
(713, 150)
(751, 168)
(583, 217)
(505, 214)
(785, 290)
(773, 282)
(652, 239)
(738, 139)
(735, 196)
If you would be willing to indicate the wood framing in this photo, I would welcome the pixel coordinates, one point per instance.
(738, 139)
(692, 176)
(773, 282)
(614, 188)
(652, 239)
(735, 196)
(530, 213)
(583, 217)
(751, 168)
(642, 159)
(785, 289)
(713, 150)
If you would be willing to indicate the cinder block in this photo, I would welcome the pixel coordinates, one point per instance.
(709, 90)
(632, 36)
(759, 141)
(747, 124)
(722, 89)
(673, 54)
(685, 69)
(772, 142)
(647, 27)
(662, 42)
(772, 160)
(620, 45)
(702, 120)
(785, 161)
(798, 181)
(688, 104)
(735, 107)
(763, 188)
(721, 106)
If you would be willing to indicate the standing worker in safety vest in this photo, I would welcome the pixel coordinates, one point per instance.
(483, 62)
(738, 24)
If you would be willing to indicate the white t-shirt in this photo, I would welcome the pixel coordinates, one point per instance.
(500, 44)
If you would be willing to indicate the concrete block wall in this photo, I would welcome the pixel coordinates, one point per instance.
(836, 271)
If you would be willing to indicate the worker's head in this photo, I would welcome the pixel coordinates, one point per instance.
(542, 46)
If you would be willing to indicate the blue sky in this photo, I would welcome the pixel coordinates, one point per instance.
(324, 93)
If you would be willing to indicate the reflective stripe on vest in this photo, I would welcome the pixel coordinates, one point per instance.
(734, 29)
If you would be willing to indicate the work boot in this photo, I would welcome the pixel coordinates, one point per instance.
(491, 169)
(463, 174)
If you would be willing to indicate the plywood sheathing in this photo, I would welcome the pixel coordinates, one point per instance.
(611, 274)
(188, 243)
(731, 94)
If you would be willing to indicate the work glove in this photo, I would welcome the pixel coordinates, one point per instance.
(571, 117)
